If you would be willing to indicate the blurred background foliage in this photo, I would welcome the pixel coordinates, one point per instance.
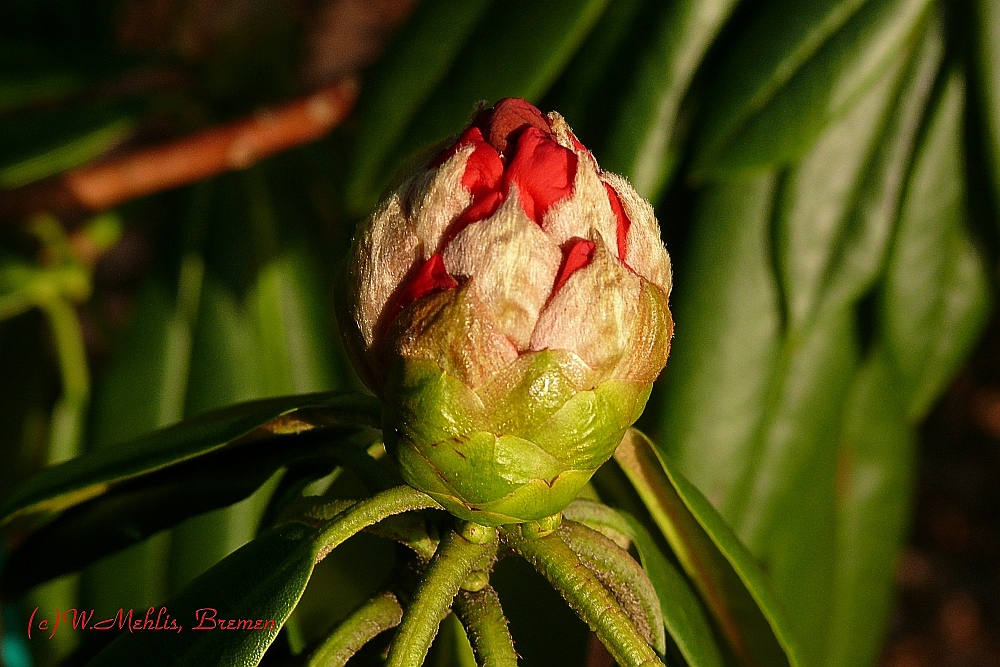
(826, 173)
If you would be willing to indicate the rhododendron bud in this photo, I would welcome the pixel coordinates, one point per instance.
(509, 305)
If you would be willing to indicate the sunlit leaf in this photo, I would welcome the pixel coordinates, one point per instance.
(726, 575)
(796, 67)
(935, 297)
(85, 477)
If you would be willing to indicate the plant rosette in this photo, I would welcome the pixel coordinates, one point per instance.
(508, 304)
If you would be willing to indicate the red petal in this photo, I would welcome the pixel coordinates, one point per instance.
(577, 254)
(623, 222)
(483, 171)
(543, 171)
(431, 277)
(508, 117)
(484, 163)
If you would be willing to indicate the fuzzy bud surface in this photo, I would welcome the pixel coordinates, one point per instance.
(508, 303)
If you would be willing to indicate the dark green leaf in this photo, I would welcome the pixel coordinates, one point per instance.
(818, 198)
(136, 509)
(796, 67)
(935, 297)
(874, 491)
(416, 61)
(91, 475)
(987, 59)
(644, 145)
(577, 94)
(518, 50)
(728, 337)
(683, 615)
(726, 575)
(261, 581)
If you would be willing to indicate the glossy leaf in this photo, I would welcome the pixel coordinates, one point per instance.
(518, 51)
(727, 306)
(263, 580)
(644, 145)
(875, 484)
(818, 198)
(795, 68)
(91, 475)
(987, 25)
(137, 509)
(416, 61)
(726, 575)
(683, 615)
(601, 55)
(935, 296)
(859, 258)
(73, 153)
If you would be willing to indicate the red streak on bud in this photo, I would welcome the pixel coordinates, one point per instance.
(430, 277)
(507, 119)
(623, 222)
(577, 253)
(543, 172)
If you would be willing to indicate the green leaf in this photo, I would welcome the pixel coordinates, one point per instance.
(726, 575)
(728, 337)
(518, 50)
(263, 580)
(136, 509)
(876, 460)
(644, 145)
(77, 480)
(797, 66)
(860, 257)
(819, 196)
(416, 61)
(600, 59)
(987, 24)
(935, 296)
(73, 153)
(683, 615)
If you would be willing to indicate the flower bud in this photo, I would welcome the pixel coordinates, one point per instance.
(509, 305)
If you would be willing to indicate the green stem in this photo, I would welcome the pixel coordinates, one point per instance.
(70, 410)
(366, 512)
(379, 614)
(622, 576)
(454, 560)
(586, 595)
(484, 621)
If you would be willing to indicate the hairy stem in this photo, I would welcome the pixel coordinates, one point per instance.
(622, 576)
(380, 613)
(454, 560)
(486, 625)
(588, 597)
(366, 512)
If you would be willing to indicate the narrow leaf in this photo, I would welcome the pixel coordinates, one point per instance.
(644, 145)
(85, 477)
(726, 575)
(262, 581)
(796, 67)
(683, 615)
(876, 460)
(416, 61)
(935, 297)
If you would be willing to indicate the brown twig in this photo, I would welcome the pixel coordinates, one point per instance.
(235, 145)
